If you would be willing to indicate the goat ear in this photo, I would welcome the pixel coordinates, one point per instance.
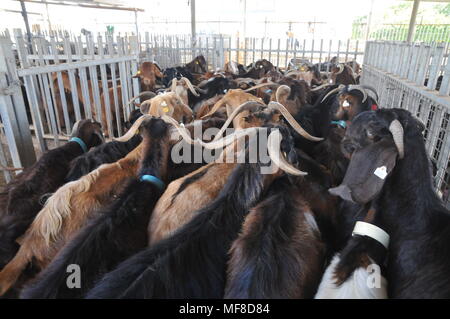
(367, 172)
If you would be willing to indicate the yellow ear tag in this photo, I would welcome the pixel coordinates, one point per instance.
(137, 132)
(196, 62)
(165, 109)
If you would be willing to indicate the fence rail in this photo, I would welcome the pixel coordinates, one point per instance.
(398, 72)
(170, 50)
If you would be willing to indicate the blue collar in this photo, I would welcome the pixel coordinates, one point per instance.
(153, 180)
(340, 123)
(80, 142)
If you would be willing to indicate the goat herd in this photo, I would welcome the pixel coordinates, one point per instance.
(347, 211)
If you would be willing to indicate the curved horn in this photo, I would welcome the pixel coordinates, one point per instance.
(280, 89)
(231, 118)
(370, 88)
(332, 92)
(320, 87)
(273, 147)
(75, 128)
(341, 68)
(173, 84)
(259, 86)
(396, 130)
(138, 96)
(10, 169)
(190, 86)
(291, 120)
(352, 87)
(132, 131)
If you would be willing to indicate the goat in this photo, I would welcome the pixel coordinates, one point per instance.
(119, 231)
(390, 168)
(202, 249)
(197, 65)
(70, 207)
(203, 185)
(147, 74)
(341, 74)
(280, 251)
(167, 104)
(43, 177)
(348, 275)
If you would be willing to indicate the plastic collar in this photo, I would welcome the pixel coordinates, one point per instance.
(372, 231)
(153, 180)
(340, 123)
(80, 142)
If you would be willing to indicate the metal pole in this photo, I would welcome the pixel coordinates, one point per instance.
(412, 21)
(369, 20)
(245, 20)
(136, 23)
(27, 25)
(193, 32)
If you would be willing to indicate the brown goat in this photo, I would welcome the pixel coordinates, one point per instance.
(147, 74)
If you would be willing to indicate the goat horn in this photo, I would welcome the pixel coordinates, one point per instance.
(320, 87)
(227, 140)
(75, 128)
(132, 131)
(295, 125)
(352, 87)
(278, 92)
(396, 130)
(10, 169)
(341, 68)
(173, 84)
(138, 96)
(259, 86)
(371, 88)
(230, 118)
(273, 147)
(332, 92)
(190, 86)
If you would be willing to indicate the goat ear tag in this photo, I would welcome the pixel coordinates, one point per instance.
(381, 172)
(165, 109)
(345, 103)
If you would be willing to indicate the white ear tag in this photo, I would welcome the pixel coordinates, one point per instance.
(345, 104)
(163, 103)
(331, 81)
(381, 172)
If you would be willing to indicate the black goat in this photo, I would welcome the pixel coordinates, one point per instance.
(390, 169)
(213, 87)
(280, 251)
(119, 231)
(191, 263)
(102, 154)
(44, 177)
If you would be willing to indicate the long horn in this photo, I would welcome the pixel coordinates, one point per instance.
(273, 147)
(352, 87)
(10, 169)
(341, 68)
(174, 84)
(75, 128)
(295, 125)
(190, 86)
(320, 87)
(138, 96)
(259, 86)
(370, 88)
(223, 142)
(230, 119)
(215, 108)
(396, 130)
(280, 89)
(132, 131)
(332, 92)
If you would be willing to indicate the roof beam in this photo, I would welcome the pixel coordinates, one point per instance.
(84, 5)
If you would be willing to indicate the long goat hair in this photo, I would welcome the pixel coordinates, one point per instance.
(279, 252)
(192, 262)
(103, 154)
(117, 233)
(44, 177)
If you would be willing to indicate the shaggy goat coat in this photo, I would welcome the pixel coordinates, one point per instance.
(119, 232)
